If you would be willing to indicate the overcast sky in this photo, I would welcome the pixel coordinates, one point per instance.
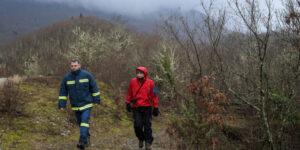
(132, 8)
(138, 8)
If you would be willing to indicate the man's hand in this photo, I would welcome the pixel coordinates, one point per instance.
(155, 112)
(133, 100)
(128, 107)
(62, 109)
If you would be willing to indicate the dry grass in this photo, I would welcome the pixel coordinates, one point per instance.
(16, 79)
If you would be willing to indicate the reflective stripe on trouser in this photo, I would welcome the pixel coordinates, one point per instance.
(83, 107)
(83, 122)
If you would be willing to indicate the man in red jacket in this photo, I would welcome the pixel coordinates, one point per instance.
(143, 95)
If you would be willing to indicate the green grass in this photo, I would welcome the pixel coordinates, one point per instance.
(43, 126)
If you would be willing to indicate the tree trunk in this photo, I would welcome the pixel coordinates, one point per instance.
(263, 110)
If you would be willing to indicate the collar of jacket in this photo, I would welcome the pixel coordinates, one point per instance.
(76, 72)
(141, 81)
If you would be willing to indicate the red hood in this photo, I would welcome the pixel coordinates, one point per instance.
(142, 69)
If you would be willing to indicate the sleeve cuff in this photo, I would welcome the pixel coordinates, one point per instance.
(62, 104)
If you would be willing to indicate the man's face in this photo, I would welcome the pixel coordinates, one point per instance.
(75, 66)
(140, 74)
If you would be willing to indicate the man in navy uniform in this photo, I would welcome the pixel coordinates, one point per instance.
(83, 94)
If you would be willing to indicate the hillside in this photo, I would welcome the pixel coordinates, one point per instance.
(41, 125)
(217, 90)
(47, 47)
(50, 39)
(33, 121)
(20, 17)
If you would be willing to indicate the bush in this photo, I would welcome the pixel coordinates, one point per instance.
(11, 102)
(203, 117)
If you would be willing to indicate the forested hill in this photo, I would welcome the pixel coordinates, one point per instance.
(47, 50)
(19, 17)
(48, 40)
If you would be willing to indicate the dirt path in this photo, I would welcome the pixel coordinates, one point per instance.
(161, 138)
(158, 143)
(124, 140)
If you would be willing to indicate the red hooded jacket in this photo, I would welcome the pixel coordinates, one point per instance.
(147, 95)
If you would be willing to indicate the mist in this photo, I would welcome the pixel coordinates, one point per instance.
(130, 8)
(141, 8)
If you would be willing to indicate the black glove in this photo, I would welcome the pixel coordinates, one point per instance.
(128, 107)
(155, 112)
(133, 100)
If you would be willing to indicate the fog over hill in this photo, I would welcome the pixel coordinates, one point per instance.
(23, 16)
(19, 17)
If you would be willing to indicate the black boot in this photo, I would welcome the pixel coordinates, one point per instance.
(82, 145)
(148, 146)
(141, 144)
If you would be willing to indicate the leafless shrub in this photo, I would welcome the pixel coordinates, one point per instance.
(11, 99)
(203, 117)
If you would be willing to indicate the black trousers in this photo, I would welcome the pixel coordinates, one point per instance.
(142, 123)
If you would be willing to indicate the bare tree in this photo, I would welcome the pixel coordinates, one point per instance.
(197, 36)
(213, 29)
(289, 31)
(259, 27)
(185, 39)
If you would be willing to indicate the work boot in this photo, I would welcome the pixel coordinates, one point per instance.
(148, 146)
(88, 141)
(82, 145)
(141, 144)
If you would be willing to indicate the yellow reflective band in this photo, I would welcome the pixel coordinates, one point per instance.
(74, 108)
(71, 82)
(96, 94)
(84, 125)
(83, 80)
(83, 107)
(62, 97)
(86, 106)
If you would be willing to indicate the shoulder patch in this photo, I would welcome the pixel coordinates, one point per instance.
(154, 90)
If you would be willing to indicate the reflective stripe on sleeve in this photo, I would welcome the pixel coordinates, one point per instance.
(62, 97)
(96, 94)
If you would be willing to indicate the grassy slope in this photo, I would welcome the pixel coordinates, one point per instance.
(43, 126)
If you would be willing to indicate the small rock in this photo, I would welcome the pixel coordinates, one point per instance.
(63, 134)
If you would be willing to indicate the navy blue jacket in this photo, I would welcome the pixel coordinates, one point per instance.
(82, 89)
